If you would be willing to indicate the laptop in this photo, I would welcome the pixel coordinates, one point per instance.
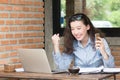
(35, 60)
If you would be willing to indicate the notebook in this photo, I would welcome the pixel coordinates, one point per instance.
(35, 60)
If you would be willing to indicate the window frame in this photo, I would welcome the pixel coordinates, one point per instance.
(109, 32)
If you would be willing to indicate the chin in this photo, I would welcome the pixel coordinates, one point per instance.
(79, 39)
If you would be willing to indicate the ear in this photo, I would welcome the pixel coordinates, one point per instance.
(88, 27)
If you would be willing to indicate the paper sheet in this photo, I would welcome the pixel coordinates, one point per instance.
(19, 69)
(99, 69)
(111, 70)
(90, 70)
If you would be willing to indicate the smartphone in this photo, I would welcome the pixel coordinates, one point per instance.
(97, 35)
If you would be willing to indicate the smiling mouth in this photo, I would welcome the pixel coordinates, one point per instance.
(77, 37)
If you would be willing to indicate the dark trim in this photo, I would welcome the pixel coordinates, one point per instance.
(111, 32)
(56, 16)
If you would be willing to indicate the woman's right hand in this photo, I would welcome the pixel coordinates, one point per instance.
(55, 40)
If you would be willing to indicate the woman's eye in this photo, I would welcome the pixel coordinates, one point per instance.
(72, 29)
(78, 28)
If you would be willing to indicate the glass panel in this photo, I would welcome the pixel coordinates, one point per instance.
(104, 13)
(63, 13)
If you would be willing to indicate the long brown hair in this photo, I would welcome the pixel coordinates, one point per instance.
(69, 38)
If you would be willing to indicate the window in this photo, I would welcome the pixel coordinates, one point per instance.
(62, 13)
(104, 14)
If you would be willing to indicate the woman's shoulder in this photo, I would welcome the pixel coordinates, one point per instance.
(105, 41)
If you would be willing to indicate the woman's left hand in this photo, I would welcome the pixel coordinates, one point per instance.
(99, 44)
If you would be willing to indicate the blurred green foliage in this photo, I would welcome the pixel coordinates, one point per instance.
(105, 10)
(108, 10)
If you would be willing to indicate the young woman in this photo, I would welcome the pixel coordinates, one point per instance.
(81, 45)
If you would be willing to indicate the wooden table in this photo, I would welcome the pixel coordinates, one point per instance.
(65, 76)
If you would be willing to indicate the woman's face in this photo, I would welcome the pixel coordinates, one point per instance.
(79, 30)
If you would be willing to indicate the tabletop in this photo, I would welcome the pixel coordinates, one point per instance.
(65, 76)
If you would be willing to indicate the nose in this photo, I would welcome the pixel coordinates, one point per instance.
(76, 32)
